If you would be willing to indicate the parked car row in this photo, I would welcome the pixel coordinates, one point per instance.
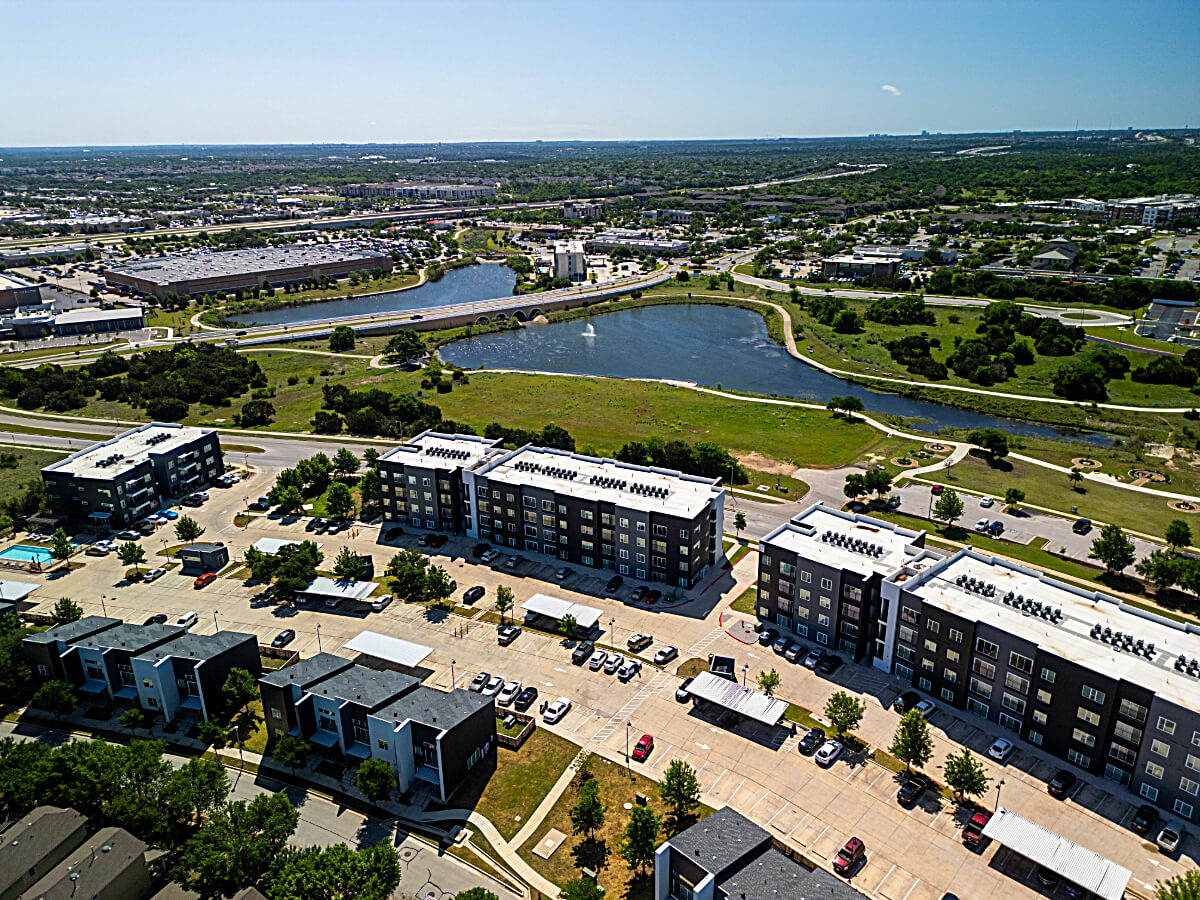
(611, 663)
(813, 658)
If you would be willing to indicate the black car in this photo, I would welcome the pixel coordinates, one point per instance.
(682, 694)
(1144, 819)
(392, 533)
(525, 698)
(479, 549)
(906, 701)
(156, 619)
(613, 583)
(436, 540)
(1062, 782)
(317, 525)
(829, 664)
(812, 739)
(506, 634)
(424, 540)
(910, 791)
(262, 504)
(473, 594)
(284, 638)
(767, 636)
(582, 653)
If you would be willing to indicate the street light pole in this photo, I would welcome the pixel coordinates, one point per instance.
(627, 726)
(215, 625)
(612, 634)
(318, 637)
(452, 679)
(999, 785)
(103, 608)
(745, 669)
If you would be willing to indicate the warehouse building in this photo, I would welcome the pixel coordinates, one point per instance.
(118, 481)
(92, 320)
(206, 273)
(416, 190)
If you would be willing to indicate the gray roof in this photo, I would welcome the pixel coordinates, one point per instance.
(721, 841)
(134, 638)
(437, 709)
(371, 688)
(307, 671)
(96, 867)
(202, 548)
(199, 646)
(73, 631)
(769, 874)
(27, 844)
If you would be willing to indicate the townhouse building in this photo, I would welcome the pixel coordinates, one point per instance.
(186, 674)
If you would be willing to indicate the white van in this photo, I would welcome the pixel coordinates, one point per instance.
(188, 619)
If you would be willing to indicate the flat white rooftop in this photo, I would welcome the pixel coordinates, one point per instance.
(606, 480)
(14, 591)
(119, 313)
(346, 590)
(164, 270)
(394, 650)
(555, 608)
(129, 449)
(271, 546)
(741, 700)
(847, 541)
(1069, 636)
(434, 450)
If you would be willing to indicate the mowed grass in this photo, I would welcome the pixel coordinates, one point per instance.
(508, 794)
(28, 468)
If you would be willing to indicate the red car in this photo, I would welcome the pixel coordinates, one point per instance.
(849, 856)
(204, 580)
(973, 831)
(643, 748)
(936, 489)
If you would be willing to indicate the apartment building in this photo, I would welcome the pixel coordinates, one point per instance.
(49, 855)
(820, 576)
(187, 673)
(118, 481)
(417, 190)
(1153, 212)
(570, 261)
(102, 663)
(44, 650)
(580, 210)
(421, 481)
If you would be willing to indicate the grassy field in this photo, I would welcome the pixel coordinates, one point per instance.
(745, 603)
(484, 240)
(28, 468)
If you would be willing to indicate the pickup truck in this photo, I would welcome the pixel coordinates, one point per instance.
(582, 653)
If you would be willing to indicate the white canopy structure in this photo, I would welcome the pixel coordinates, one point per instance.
(554, 608)
(345, 590)
(742, 700)
(393, 650)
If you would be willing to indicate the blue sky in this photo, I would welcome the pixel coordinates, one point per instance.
(133, 72)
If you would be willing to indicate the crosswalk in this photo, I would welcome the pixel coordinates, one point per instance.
(698, 648)
(652, 687)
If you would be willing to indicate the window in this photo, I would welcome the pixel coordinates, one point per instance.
(952, 655)
(950, 675)
(852, 593)
(1122, 754)
(948, 694)
(955, 636)
(823, 638)
(1039, 716)
(531, 502)
(1048, 675)
(932, 625)
(931, 646)
(987, 648)
(806, 577)
(624, 522)
(548, 505)
(925, 684)
(1080, 759)
(586, 515)
(1084, 737)
(1184, 809)
(903, 671)
(383, 745)
(1196, 738)
(1016, 704)
(909, 615)
(1012, 723)
(1188, 786)
(1016, 682)
(1154, 770)
(1090, 693)
(1087, 715)
(977, 707)
(1160, 747)
(826, 584)
(1127, 733)
(1035, 737)
(1165, 725)
(1020, 663)
(927, 665)
(982, 688)
(1193, 763)
(823, 619)
(983, 667)
(905, 653)
(787, 570)
(1134, 711)
(804, 595)
(1149, 791)
(908, 635)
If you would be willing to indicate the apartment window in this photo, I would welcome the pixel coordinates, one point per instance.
(804, 595)
(950, 675)
(1044, 696)
(983, 667)
(1040, 717)
(1087, 715)
(1016, 704)
(852, 593)
(1134, 711)
(904, 672)
(1149, 791)
(802, 612)
(1188, 786)
(1162, 748)
(931, 646)
(823, 619)
(982, 688)
(1035, 738)
(826, 584)
(987, 648)
(530, 516)
(948, 694)
(383, 745)
(909, 615)
(823, 638)
(925, 684)
(932, 625)
(1080, 759)
(1154, 770)
(1012, 723)
(684, 534)
(1016, 682)
(624, 522)
(952, 655)
(1090, 693)
(641, 526)
(660, 530)
(908, 635)
(1083, 737)
(586, 515)
(1165, 725)
(1020, 663)
(531, 502)
(826, 603)
(1193, 763)
(1048, 675)
(1184, 809)
(1128, 733)
(908, 654)
(927, 665)
(1122, 754)
(977, 707)
(806, 577)
(956, 636)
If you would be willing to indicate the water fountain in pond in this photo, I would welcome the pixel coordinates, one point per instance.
(589, 330)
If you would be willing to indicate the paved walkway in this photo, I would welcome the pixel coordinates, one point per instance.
(535, 819)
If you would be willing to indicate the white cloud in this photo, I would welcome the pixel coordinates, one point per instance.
(891, 89)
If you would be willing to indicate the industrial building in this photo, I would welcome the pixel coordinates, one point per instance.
(55, 253)
(118, 481)
(860, 266)
(188, 274)
(570, 262)
(417, 190)
(91, 320)
(637, 241)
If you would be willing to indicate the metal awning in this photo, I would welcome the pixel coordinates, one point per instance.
(1078, 865)
(342, 590)
(192, 703)
(100, 516)
(94, 686)
(585, 617)
(126, 693)
(323, 738)
(358, 750)
(393, 650)
(742, 700)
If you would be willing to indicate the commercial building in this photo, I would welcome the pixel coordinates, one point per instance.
(728, 856)
(860, 266)
(188, 672)
(417, 190)
(1152, 212)
(907, 252)
(672, 216)
(196, 559)
(188, 274)
(636, 241)
(1057, 253)
(77, 321)
(579, 210)
(15, 292)
(122, 479)
(570, 261)
(421, 481)
(57, 253)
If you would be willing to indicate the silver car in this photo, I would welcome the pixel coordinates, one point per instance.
(492, 688)
(613, 663)
(830, 751)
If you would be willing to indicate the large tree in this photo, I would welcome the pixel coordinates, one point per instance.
(912, 744)
(949, 507)
(768, 682)
(339, 500)
(583, 889)
(641, 837)
(56, 697)
(345, 462)
(342, 339)
(239, 689)
(587, 815)
(349, 566)
(438, 585)
(61, 547)
(132, 554)
(292, 751)
(375, 779)
(844, 712)
(407, 570)
(680, 790)
(1184, 886)
(334, 873)
(237, 845)
(1113, 549)
(66, 610)
(965, 774)
(504, 600)
(188, 529)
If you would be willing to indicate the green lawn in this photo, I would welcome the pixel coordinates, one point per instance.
(746, 602)
(28, 468)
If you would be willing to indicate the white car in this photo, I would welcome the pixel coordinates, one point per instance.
(926, 708)
(982, 525)
(986, 502)
(1001, 749)
(597, 660)
(613, 663)
(509, 694)
(556, 710)
(492, 688)
(830, 750)
(631, 668)
(155, 574)
(1170, 837)
(490, 555)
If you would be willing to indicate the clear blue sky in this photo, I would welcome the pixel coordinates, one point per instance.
(248, 71)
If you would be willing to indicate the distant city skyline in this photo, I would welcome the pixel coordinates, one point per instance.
(131, 72)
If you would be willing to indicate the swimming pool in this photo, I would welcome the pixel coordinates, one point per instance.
(21, 553)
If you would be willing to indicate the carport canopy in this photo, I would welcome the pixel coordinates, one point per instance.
(585, 617)
(742, 700)
(343, 590)
(1078, 865)
(390, 649)
(16, 591)
(271, 546)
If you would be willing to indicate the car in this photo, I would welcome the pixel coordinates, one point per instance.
(506, 634)
(479, 682)
(509, 694)
(562, 574)
(781, 644)
(638, 594)
(1074, 891)
(156, 520)
(1144, 819)
(894, 501)
(849, 856)
(972, 832)
(582, 653)
(424, 540)
(643, 748)
(317, 525)
(813, 659)
(1047, 878)
(614, 584)
(986, 502)
(793, 652)
(829, 664)
(1082, 526)
(828, 752)
(392, 533)
(1060, 785)
(156, 619)
(168, 514)
(437, 540)
(613, 663)
(936, 489)
(155, 574)
(98, 550)
(665, 655)
(682, 694)
(262, 504)
(333, 602)
(653, 596)
(492, 688)
(639, 641)
(996, 528)
(1170, 837)
(333, 526)
(813, 738)
(204, 580)
(556, 710)
(906, 701)
(490, 555)
(596, 663)
(126, 536)
(479, 549)
(627, 671)
(470, 595)
(512, 562)
(767, 637)
(1001, 749)
(284, 638)
(145, 528)
(982, 525)
(525, 698)
(911, 790)
(379, 604)
(188, 619)
(926, 708)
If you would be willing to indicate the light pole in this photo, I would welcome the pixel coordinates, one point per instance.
(745, 669)
(215, 625)
(237, 733)
(999, 785)
(452, 679)
(318, 637)
(612, 634)
(103, 608)
(628, 725)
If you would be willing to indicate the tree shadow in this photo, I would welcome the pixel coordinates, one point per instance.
(591, 853)
(1119, 581)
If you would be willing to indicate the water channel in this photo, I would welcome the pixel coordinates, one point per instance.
(709, 345)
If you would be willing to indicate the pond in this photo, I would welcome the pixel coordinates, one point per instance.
(709, 345)
(487, 281)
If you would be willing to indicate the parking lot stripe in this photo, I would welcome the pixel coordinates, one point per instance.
(758, 801)
(798, 824)
(718, 781)
(911, 889)
(777, 812)
(729, 801)
(818, 837)
(885, 878)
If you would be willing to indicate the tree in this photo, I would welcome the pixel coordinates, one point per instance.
(1076, 478)
(992, 441)
(375, 779)
(292, 751)
(567, 625)
(680, 790)
(587, 815)
(339, 501)
(1013, 498)
(348, 566)
(188, 529)
(239, 689)
(195, 788)
(289, 499)
(133, 719)
(1113, 549)
(438, 585)
(581, 889)
(407, 570)
(948, 507)
(210, 734)
(476, 893)
(1179, 535)
(844, 712)
(369, 487)
(66, 610)
(55, 697)
(60, 545)
(965, 774)
(255, 412)
(345, 462)
(342, 339)
(739, 522)
(768, 682)
(334, 872)
(404, 346)
(855, 486)
(504, 600)
(1184, 886)
(877, 481)
(911, 743)
(237, 844)
(641, 837)
(132, 554)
